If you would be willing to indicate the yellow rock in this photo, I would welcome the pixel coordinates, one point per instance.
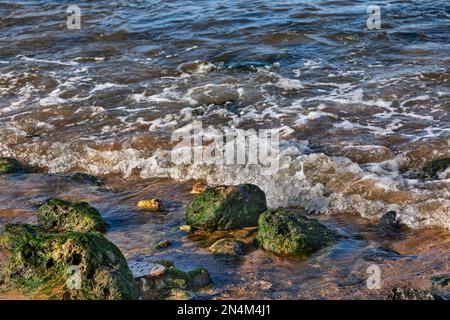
(185, 228)
(151, 204)
(199, 187)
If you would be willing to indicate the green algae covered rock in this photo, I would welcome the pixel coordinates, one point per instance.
(169, 284)
(226, 207)
(64, 215)
(433, 168)
(64, 265)
(287, 233)
(9, 166)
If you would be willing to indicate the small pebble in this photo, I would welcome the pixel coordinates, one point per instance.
(151, 204)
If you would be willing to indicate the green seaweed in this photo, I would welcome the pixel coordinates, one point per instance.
(9, 166)
(64, 215)
(287, 233)
(226, 207)
(40, 262)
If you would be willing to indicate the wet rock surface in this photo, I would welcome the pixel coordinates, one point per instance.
(153, 205)
(64, 265)
(171, 283)
(287, 233)
(390, 221)
(64, 215)
(227, 246)
(226, 207)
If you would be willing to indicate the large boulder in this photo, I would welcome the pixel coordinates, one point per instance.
(64, 215)
(9, 166)
(64, 265)
(226, 207)
(287, 233)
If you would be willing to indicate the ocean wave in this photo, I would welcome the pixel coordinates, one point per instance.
(314, 181)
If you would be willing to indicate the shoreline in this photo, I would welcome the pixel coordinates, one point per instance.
(400, 255)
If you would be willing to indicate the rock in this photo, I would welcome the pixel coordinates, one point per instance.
(432, 169)
(142, 269)
(226, 207)
(64, 215)
(179, 294)
(441, 285)
(163, 244)
(381, 254)
(264, 285)
(228, 246)
(287, 233)
(391, 221)
(442, 280)
(186, 228)
(199, 278)
(166, 263)
(246, 66)
(10, 166)
(411, 294)
(199, 187)
(162, 286)
(156, 270)
(85, 178)
(151, 204)
(64, 265)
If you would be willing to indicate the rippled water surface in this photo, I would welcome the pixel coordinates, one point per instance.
(359, 112)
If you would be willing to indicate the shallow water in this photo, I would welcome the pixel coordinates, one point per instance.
(409, 258)
(360, 112)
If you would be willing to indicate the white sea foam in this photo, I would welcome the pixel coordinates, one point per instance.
(319, 183)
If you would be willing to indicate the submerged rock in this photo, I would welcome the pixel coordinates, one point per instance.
(246, 66)
(64, 215)
(411, 294)
(85, 178)
(441, 285)
(179, 294)
(10, 166)
(64, 265)
(199, 278)
(163, 244)
(287, 233)
(228, 246)
(391, 222)
(173, 283)
(442, 280)
(226, 207)
(432, 169)
(151, 204)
